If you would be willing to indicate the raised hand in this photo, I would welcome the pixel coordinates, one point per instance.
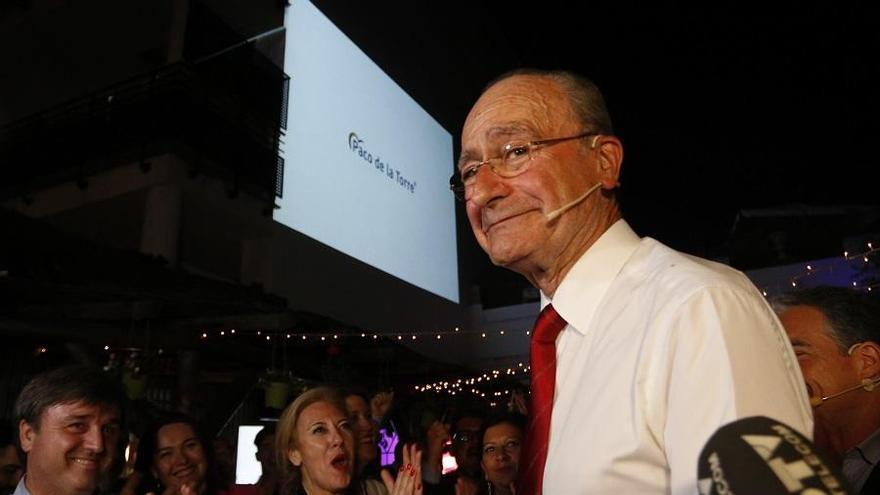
(409, 478)
(380, 404)
(436, 437)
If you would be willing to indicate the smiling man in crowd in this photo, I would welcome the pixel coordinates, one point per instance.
(69, 427)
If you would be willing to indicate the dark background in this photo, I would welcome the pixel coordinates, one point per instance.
(721, 108)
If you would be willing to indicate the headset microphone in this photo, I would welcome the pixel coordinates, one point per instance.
(553, 215)
(868, 384)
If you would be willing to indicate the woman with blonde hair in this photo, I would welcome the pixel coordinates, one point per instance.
(315, 448)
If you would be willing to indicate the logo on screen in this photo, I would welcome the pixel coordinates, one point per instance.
(356, 145)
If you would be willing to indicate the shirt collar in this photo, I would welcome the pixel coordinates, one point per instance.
(582, 289)
(870, 447)
(21, 489)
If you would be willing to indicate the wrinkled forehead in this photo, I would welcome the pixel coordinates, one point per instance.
(519, 105)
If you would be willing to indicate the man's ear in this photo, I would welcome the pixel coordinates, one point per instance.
(868, 356)
(26, 434)
(609, 157)
(294, 457)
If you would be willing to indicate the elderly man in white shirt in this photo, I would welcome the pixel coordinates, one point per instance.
(657, 348)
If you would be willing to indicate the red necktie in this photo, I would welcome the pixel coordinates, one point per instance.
(543, 369)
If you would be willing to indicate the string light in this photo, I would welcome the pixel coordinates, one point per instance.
(474, 385)
(813, 271)
(304, 335)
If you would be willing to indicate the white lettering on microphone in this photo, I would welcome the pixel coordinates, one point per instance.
(818, 467)
(719, 481)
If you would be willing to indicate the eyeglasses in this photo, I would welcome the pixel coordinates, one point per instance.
(512, 160)
(464, 436)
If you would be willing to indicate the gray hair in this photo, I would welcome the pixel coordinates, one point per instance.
(584, 97)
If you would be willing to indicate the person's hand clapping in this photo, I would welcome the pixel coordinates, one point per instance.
(409, 478)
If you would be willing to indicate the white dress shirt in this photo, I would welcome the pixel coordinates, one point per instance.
(660, 350)
(21, 489)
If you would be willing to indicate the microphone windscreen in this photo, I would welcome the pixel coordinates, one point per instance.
(761, 455)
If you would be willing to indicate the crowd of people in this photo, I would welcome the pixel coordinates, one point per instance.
(72, 428)
(72, 431)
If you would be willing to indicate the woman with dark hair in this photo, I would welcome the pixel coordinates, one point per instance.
(174, 458)
(502, 439)
(366, 443)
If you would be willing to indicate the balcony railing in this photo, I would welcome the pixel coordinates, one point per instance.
(224, 116)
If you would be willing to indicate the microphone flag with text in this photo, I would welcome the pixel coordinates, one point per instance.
(759, 455)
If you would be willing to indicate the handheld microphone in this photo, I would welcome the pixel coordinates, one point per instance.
(553, 215)
(868, 384)
(762, 455)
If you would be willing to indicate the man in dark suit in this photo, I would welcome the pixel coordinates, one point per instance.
(835, 333)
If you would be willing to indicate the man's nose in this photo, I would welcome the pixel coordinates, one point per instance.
(487, 185)
(94, 439)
